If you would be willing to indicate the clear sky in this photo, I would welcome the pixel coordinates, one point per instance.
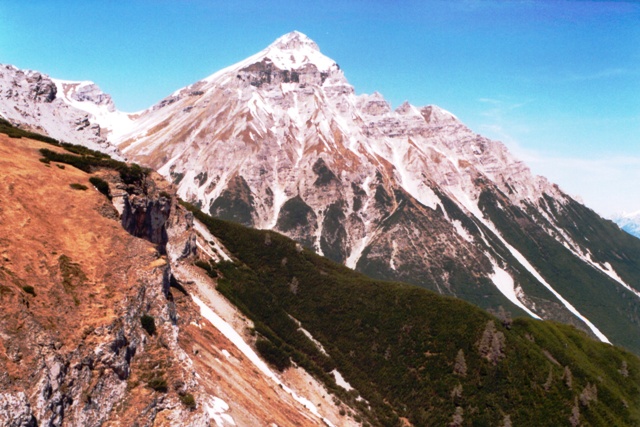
(557, 81)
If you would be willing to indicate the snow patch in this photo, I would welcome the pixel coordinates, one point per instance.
(394, 252)
(116, 122)
(204, 232)
(317, 343)
(504, 282)
(341, 381)
(527, 265)
(462, 232)
(217, 409)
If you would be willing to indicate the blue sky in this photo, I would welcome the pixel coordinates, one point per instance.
(557, 81)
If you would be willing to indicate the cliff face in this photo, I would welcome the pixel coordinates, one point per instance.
(98, 323)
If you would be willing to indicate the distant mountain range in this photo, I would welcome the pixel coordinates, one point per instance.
(280, 141)
(629, 222)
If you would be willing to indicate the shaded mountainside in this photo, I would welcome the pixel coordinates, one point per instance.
(411, 354)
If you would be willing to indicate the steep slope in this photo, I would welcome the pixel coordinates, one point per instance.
(103, 318)
(281, 141)
(407, 356)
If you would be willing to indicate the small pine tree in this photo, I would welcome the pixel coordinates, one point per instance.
(547, 385)
(504, 317)
(624, 369)
(293, 286)
(589, 394)
(574, 419)
(456, 393)
(458, 418)
(567, 376)
(460, 366)
(492, 344)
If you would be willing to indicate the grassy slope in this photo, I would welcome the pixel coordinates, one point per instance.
(397, 344)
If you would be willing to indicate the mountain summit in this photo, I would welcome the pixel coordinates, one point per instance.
(281, 141)
(294, 40)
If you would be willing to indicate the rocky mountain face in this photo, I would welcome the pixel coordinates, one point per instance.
(75, 112)
(281, 141)
(105, 320)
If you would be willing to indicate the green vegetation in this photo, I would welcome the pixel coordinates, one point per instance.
(148, 324)
(188, 400)
(14, 132)
(72, 274)
(273, 354)
(209, 267)
(410, 353)
(77, 186)
(413, 354)
(158, 383)
(101, 185)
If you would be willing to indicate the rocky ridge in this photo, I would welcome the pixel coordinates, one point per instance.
(74, 112)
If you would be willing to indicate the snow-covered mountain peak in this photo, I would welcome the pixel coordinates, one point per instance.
(84, 91)
(294, 50)
(294, 40)
(75, 112)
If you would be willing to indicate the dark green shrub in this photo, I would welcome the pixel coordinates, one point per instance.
(101, 185)
(148, 324)
(272, 354)
(29, 289)
(77, 186)
(165, 194)
(132, 174)
(45, 160)
(209, 267)
(158, 383)
(188, 400)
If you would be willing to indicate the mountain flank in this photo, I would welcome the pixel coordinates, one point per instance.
(100, 327)
(95, 327)
(281, 141)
